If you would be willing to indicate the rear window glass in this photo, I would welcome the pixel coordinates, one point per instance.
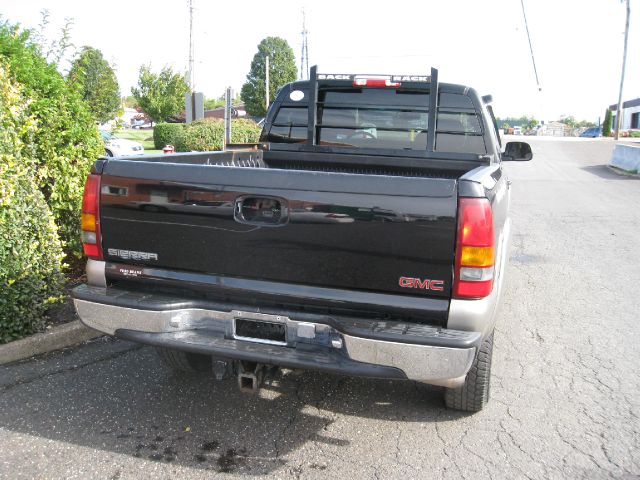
(292, 116)
(288, 134)
(375, 97)
(383, 118)
(374, 118)
(459, 123)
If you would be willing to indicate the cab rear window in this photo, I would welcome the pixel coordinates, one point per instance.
(383, 118)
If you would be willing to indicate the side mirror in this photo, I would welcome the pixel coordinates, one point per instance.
(517, 152)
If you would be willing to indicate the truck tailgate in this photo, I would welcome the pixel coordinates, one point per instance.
(362, 232)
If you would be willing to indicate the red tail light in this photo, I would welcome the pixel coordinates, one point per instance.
(475, 256)
(91, 241)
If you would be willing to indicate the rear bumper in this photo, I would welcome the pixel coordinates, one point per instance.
(357, 347)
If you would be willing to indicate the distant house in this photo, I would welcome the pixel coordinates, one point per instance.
(555, 129)
(237, 111)
(127, 118)
(129, 115)
(630, 114)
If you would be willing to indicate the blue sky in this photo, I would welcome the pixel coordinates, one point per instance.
(483, 44)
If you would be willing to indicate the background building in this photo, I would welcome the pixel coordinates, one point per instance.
(630, 114)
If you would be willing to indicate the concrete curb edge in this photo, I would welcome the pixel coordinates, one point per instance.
(57, 338)
(621, 172)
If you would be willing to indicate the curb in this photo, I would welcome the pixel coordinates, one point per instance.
(622, 173)
(57, 338)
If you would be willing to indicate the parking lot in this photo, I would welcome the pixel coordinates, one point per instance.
(565, 393)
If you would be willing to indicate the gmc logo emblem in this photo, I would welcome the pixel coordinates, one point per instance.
(408, 282)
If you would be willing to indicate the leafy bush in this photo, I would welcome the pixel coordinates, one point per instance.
(30, 250)
(66, 141)
(167, 134)
(244, 131)
(634, 134)
(202, 135)
(205, 135)
(30, 257)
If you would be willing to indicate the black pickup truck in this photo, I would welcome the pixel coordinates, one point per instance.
(365, 235)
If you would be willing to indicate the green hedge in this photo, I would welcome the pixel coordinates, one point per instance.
(206, 135)
(245, 131)
(30, 250)
(167, 134)
(202, 136)
(66, 141)
(30, 257)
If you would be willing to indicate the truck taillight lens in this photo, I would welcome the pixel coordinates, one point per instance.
(475, 255)
(91, 241)
(383, 81)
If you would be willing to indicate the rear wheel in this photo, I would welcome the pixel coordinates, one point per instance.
(183, 361)
(474, 394)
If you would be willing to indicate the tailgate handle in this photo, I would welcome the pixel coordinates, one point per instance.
(259, 210)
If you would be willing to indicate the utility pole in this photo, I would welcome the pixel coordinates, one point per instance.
(266, 82)
(304, 58)
(624, 64)
(194, 101)
(227, 118)
(191, 50)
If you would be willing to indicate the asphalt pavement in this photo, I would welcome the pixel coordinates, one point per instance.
(565, 390)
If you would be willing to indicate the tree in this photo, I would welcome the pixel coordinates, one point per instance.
(282, 70)
(585, 124)
(606, 125)
(522, 121)
(129, 101)
(212, 103)
(570, 121)
(160, 95)
(531, 124)
(96, 82)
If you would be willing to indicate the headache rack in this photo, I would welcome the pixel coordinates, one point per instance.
(377, 80)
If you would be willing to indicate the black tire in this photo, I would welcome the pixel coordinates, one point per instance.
(183, 361)
(474, 395)
(108, 153)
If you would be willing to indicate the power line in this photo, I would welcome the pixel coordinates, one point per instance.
(535, 70)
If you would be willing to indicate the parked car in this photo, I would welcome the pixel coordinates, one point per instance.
(116, 147)
(593, 132)
(329, 247)
(517, 130)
